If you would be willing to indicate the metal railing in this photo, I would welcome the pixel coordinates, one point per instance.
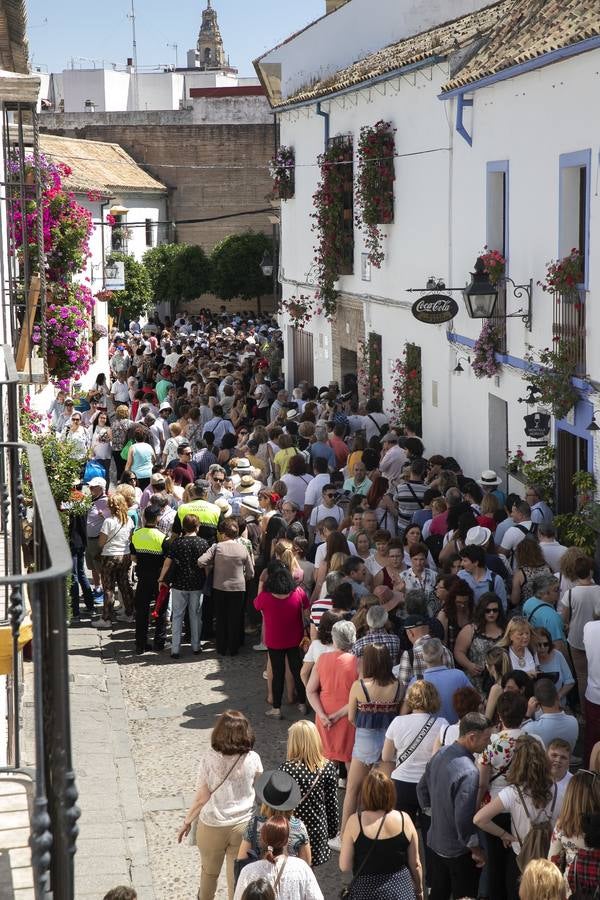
(568, 326)
(38, 530)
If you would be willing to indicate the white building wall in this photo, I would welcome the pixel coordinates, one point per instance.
(160, 90)
(440, 228)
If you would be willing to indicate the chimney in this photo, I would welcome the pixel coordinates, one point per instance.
(332, 5)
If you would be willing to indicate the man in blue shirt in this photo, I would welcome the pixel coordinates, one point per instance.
(540, 610)
(480, 579)
(553, 722)
(449, 789)
(322, 448)
(446, 680)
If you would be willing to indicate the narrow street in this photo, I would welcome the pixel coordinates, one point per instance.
(139, 728)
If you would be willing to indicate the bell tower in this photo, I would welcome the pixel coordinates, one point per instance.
(209, 49)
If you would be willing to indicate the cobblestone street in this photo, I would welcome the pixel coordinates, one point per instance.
(169, 709)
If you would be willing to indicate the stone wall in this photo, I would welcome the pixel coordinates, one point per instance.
(211, 170)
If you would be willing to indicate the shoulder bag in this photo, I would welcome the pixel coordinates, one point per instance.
(417, 741)
(194, 828)
(346, 891)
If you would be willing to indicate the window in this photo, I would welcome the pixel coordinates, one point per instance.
(574, 206)
(149, 233)
(496, 233)
(347, 223)
(119, 235)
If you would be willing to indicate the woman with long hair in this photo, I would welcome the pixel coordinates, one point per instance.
(336, 543)
(497, 665)
(224, 799)
(457, 611)
(289, 875)
(323, 643)
(379, 499)
(318, 781)
(296, 480)
(519, 641)
(541, 881)
(582, 798)
(474, 640)
(567, 575)
(115, 560)
(530, 796)
(373, 704)
(381, 846)
(101, 442)
(553, 661)
(530, 563)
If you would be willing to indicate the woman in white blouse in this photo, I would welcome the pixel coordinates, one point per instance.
(224, 799)
(519, 641)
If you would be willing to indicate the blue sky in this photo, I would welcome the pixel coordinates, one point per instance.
(101, 30)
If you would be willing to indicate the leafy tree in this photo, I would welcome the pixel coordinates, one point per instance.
(137, 296)
(177, 272)
(236, 268)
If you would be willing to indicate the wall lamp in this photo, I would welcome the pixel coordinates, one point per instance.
(458, 369)
(593, 426)
(481, 295)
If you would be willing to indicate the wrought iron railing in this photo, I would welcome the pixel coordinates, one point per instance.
(568, 326)
(36, 532)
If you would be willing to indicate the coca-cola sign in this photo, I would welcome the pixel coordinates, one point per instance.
(434, 309)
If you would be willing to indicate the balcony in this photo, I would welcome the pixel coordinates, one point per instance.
(568, 326)
(34, 562)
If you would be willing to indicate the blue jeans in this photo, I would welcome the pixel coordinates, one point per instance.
(180, 600)
(80, 579)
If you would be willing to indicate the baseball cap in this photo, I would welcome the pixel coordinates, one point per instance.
(97, 482)
(165, 405)
(157, 478)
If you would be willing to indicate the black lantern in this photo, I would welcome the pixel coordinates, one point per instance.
(266, 264)
(481, 295)
(593, 426)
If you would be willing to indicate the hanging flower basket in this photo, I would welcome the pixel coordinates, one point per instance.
(494, 264)
(375, 186)
(105, 296)
(300, 309)
(485, 364)
(282, 169)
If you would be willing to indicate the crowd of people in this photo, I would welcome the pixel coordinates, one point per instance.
(440, 645)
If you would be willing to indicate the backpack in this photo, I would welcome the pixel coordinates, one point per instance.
(536, 843)
(435, 543)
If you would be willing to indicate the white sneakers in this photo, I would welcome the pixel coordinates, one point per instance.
(335, 843)
(273, 713)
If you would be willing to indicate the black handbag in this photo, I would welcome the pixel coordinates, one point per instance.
(251, 856)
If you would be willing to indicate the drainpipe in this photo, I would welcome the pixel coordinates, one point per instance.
(102, 226)
(326, 124)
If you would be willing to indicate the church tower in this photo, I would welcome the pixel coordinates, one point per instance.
(209, 49)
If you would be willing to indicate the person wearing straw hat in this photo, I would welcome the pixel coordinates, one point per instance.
(489, 483)
(276, 791)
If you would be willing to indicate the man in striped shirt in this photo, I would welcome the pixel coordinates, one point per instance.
(410, 493)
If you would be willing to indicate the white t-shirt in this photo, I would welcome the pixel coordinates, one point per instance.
(231, 802)
(585, 606)
(323, 512)
(449, 735)
(297, 880)
(316, 650)
(372, 424)
(513, 537)
(296, 487)
(314, 491)
(402, 733)
(321, 552)
(520, 822)
(118, 536)
(120, 392)
(530, 663)
(591, 641)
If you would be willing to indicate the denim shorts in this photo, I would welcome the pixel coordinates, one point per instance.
(368, 744)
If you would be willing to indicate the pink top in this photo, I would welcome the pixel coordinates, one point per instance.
(284, 625)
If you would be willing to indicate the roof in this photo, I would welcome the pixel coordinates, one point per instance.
(438, 42)
(530, 29)
(14, 53)
(98, 166)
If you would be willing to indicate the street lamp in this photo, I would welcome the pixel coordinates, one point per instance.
(266, 264)
(481, 295)
(458, 369)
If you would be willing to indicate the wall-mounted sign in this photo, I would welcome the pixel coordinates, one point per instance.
(537, 425)
(433, 309)
(114, 276)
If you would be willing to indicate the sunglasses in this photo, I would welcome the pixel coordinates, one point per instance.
(219, 480)
(492, 609)
(75, 419)
(543, 643)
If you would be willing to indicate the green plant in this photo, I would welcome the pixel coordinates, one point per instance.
(407, 387)
(541, 471)
(563, 275)
(334, 241)
(550, 373)
(369, 367)
(177, 272)
(236, 270)
(494, 264)
(581, 528)
(136, 298)
(282, 170)
(375, 185)
(514, 462)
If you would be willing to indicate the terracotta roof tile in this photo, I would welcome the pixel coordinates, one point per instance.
(529, 29)
(98, 166)
(440, 41)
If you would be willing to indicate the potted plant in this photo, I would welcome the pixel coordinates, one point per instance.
(563, 276)
(282, 169)
(494, 264)
(375, 186)
(485, 364)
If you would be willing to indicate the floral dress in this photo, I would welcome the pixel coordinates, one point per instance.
(477, 652)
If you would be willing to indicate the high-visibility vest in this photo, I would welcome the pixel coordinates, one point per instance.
(207, 513)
